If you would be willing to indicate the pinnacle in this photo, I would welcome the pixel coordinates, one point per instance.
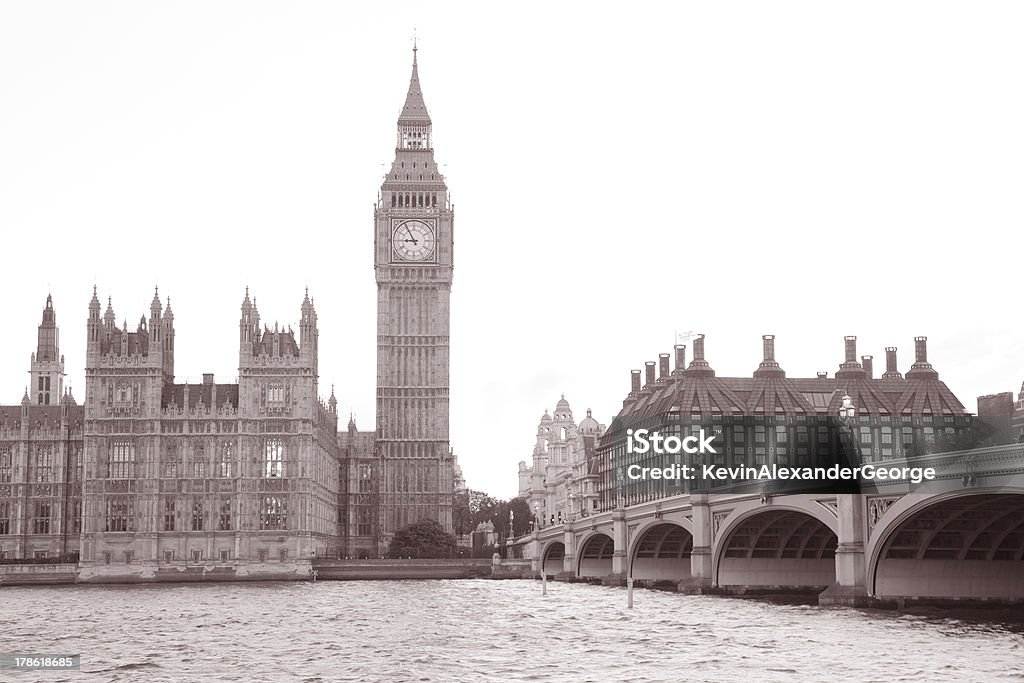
(415, 109)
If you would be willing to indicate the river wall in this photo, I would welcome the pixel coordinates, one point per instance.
(318, 570)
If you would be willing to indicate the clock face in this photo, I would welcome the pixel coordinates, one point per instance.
(413, 240)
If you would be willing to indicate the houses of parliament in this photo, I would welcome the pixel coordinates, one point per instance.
(144, 477)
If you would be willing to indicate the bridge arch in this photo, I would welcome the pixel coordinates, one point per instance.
(777, 545)
(963, 544)
(595, 555)
(552, 558)
(661, 551)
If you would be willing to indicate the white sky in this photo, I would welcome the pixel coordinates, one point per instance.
(805, 169)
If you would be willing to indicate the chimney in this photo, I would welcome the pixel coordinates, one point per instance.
(866, 362)
(851, 349)
(921, 369)
(699, 367)
(663, 361)
(768, 366)
(890, 364)
(680, 357)
(650, 373)
(850, 368)
(207, 378)
(698, 347)
(822, 374)
(634, 387)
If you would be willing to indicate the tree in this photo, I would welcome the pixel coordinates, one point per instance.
(425, 539)
(521, 523)
(462, 516)
(482, 507)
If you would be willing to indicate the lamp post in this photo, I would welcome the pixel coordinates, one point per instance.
(847, 416)
(571, 496)
(847, 411)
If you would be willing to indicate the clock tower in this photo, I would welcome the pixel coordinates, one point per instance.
(413, 222)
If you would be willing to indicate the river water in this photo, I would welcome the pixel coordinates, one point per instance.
(484, 631)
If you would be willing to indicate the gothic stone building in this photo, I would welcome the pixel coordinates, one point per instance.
(561, 482)
(151, 477)
(41, 459)
(217, 476)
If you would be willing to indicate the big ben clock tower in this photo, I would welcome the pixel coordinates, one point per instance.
(413, 263)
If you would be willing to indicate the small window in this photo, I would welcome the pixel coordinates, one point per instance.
(39, 554)
(168, 556)
(197, 556)
(106, 557)
(262, 554)
(283, 554)
(128, 555)
(781, 434)
(223, 555)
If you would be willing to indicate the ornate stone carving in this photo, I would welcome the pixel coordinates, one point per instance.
(830, 505)
(716, 521)
(877, 508)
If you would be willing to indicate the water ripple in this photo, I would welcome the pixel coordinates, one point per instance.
(484, 631)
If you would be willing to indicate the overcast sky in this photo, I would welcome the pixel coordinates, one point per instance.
(806, 169)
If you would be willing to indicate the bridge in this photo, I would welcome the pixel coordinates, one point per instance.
(958, 537)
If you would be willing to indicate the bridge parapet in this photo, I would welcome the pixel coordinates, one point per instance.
(967, 467)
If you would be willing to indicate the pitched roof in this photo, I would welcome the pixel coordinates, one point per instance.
(698, 391)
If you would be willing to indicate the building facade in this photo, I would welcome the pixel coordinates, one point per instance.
(1003, 415)
(155, 478)
(561, 482)
(41, 442)
(222, 476)
(772, 419)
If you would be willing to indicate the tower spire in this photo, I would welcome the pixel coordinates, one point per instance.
(415, 109)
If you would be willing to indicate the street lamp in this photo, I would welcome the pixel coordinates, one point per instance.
(847, 411)
(847, 437)
(572, 497)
